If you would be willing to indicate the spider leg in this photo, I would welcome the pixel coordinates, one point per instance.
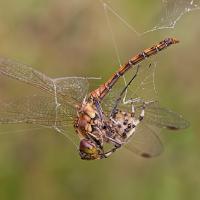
(116, 143)
(109, 153)
(141, 116)
(136, 122)
(132, 101)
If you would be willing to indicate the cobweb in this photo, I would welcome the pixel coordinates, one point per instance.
(55, 108)
(171, 12)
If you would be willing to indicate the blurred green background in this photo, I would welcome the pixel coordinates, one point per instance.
(72, 38)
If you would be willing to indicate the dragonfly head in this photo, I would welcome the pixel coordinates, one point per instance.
(88, 150)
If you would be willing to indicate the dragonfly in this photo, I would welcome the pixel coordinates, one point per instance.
(130, 123)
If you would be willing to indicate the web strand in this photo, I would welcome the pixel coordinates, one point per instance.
(171, 18)
(105, 7)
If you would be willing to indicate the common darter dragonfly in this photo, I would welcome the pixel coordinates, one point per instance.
(102, 129)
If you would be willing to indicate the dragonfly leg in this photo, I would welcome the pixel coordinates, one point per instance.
(96, 139)
(99, 109)
(99, 142)
(118, 100)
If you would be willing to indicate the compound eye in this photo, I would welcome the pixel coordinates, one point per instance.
(87, 146)
(89, 150)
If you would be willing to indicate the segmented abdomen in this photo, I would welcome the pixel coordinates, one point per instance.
(101, 92)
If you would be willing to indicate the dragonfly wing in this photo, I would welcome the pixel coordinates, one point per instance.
(164, 118)
(68, 89)
(41, 111)
(143, 87)
(25, 74)
(145, 142)
(35, 110)
(75, 87)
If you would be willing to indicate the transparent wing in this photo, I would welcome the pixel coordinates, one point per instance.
(143, 87)
(69, 89)
(43, 111)
(164, 118)
(145, 142)
(36, 110)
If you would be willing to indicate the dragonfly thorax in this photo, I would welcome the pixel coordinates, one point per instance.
(88, 125)
(87, 117)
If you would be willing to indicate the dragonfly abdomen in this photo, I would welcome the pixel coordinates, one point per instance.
(103, 90)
